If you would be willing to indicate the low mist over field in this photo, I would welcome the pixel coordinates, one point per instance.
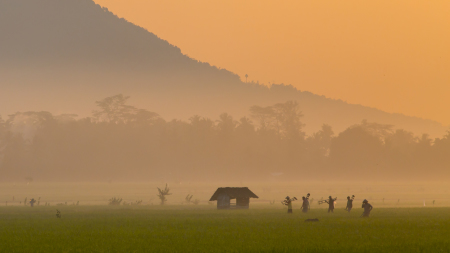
(382, 194)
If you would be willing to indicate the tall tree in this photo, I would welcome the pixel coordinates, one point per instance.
(288, 122)
(116, 110)
(245, 127)
(381, 131)
(27, 123)
(356, 151)
(226, 125)
(265, 116)
(319, 143)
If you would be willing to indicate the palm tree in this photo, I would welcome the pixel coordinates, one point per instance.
(246, 78)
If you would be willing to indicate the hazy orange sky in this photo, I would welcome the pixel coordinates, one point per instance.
(392, 55)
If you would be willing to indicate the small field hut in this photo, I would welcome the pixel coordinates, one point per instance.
(224, 195)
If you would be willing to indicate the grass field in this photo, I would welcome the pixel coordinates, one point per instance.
(202, 228)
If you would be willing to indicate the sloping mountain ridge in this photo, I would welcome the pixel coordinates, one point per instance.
(62, 55)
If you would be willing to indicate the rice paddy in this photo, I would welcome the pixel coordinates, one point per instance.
(413, 224)
(205, 229)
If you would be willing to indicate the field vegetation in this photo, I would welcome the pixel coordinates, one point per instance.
(407, 217)
(191, 228)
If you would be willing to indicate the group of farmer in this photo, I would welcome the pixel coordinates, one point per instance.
(331, 202)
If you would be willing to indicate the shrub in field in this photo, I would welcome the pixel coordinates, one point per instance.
(114, 201)
(136, 203)
(190, 201)
(163, 193)
(189, 198)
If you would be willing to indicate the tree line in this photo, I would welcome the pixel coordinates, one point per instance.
(122, 142)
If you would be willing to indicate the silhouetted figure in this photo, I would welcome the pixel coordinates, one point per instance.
(58, 214)
(367, 208)
(350, 203)
(305, 204)
(330, 202)
(32, 201)
(288, 203)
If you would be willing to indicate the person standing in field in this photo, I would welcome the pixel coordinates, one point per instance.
(304, 205)
(288, 203)
(330, 202)
(349, 203)
(367, 208)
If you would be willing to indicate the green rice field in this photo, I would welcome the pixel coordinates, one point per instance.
(205, 229)
(408, 217)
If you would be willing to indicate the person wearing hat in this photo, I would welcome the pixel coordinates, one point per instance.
(330, 202)
(367, 208)
(349, 203)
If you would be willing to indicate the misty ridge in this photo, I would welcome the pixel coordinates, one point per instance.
(123, 143)
(60, 55)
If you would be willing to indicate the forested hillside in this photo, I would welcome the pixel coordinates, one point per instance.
(59, 56)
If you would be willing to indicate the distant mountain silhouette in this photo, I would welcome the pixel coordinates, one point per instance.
(63, 55)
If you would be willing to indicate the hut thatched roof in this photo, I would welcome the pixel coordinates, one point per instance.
(233, 192)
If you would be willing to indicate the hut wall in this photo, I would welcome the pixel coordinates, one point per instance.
(223, 201)
(242, 202)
